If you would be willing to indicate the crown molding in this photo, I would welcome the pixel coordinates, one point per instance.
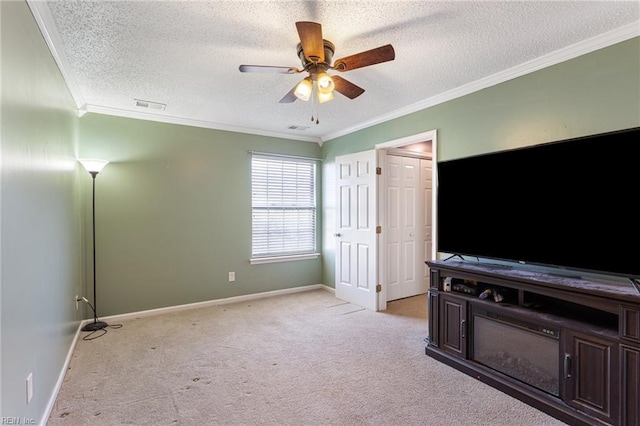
(578, 49)
(47, 26)
(139, 115)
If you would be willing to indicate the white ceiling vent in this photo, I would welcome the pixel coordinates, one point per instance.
(148, 104)
(294, 127)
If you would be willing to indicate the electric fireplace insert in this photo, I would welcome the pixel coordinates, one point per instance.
(523, 350)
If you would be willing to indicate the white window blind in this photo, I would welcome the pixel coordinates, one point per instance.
(283, 206)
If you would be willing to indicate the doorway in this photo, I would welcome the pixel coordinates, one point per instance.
(397, 264)
(361, 219)
(407, 184)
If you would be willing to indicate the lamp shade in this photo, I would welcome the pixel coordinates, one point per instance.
(325, 83)
(303, 89)
(324, 97)
(92, 164)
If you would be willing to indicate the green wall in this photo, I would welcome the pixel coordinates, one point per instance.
(593, 93)
(173, 214)
(173, 207)
(40, 256)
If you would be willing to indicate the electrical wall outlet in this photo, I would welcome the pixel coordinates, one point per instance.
(29, 387)
(232, 276)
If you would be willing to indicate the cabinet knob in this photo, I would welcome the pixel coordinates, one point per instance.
(337, 234)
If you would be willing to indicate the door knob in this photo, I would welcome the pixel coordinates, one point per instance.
(337, 234)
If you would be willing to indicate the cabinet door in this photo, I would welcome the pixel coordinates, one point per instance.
(453, 325)
(591, 375)
(630, 385)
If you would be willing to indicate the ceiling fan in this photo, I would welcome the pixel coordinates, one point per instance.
(316, 55)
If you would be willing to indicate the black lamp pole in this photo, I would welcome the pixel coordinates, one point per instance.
(95, 325)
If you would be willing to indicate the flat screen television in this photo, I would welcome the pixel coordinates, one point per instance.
(568, 204)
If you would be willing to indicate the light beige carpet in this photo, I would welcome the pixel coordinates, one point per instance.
(300, 359)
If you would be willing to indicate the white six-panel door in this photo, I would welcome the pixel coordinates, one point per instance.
(407, 230)
(403, 235)
(356, 238)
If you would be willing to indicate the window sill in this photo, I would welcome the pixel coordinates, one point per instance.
(277, 259)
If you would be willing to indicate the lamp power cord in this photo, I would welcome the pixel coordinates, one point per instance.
(92, 335)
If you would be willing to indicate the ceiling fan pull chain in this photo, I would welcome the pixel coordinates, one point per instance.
(313, 103)
(316, 101)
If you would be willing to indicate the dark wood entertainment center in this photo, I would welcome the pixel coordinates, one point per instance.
(566, 345)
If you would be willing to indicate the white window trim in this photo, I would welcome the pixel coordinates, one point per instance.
(286, 257)
(277, 259)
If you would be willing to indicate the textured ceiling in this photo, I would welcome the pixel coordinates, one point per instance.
(186, 54)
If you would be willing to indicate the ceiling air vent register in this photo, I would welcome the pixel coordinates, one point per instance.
(151, 105)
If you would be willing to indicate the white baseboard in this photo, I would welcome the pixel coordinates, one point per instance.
(65, 367)
(215, 302)
(63, 372)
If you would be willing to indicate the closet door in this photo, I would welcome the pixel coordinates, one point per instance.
(404, 228)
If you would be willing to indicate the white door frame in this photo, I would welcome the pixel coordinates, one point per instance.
(431, 135)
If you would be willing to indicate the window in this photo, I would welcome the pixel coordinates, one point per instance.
(283, 206)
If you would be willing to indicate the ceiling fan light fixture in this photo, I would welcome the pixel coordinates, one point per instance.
(316, 56)
(304, 89)
(324, 97)
(325, 83)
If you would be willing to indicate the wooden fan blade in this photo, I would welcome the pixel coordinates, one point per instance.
(269, 69)
(311, 40)
(346, 87)
(364, 59)
(289, 97)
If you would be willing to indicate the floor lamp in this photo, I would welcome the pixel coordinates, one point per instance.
(94, 167)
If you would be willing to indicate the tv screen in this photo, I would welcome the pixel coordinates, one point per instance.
(569, 204)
